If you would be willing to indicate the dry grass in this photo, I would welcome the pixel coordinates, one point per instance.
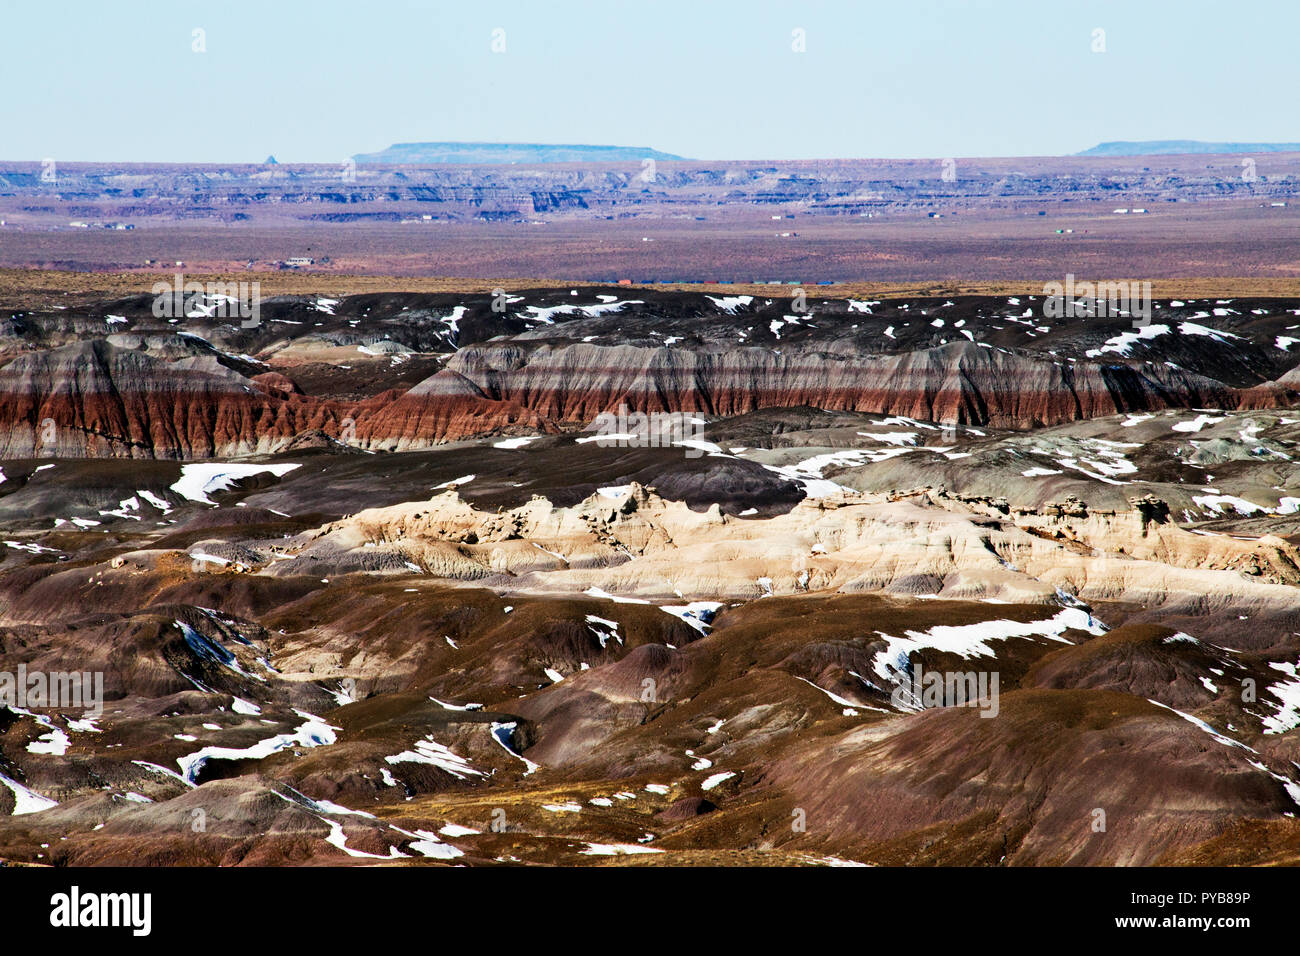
(23, 288)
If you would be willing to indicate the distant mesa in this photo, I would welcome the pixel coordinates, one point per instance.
(1167, 147)
(506, 153)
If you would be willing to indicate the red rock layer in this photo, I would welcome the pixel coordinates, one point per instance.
(93, 399)
(960, 382)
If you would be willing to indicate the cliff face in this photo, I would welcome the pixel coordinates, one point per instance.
(94, 399)
(960, 382)
(444, 407)
(397, 372)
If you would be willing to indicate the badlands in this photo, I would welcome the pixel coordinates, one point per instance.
(368, 582)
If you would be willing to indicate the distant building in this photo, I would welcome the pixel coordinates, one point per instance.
(297, 262)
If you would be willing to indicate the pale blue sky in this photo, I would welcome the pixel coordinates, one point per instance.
(711, 79)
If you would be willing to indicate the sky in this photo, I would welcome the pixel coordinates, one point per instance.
(122, 80)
